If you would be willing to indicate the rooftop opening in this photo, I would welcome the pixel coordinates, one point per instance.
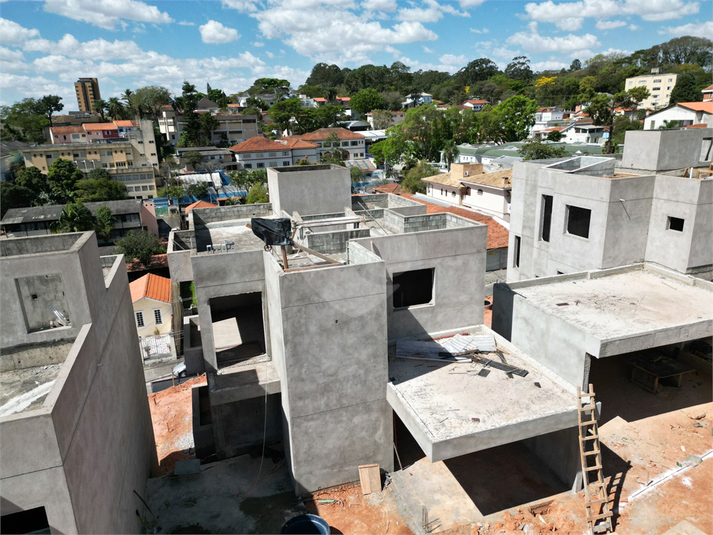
(238, 328)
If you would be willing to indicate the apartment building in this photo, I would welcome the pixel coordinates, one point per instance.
(590, 212)
(659, 86)
(132, 160)
(87, 91)
(232, 128)
(352, 142)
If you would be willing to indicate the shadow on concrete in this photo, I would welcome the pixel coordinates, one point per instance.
(503, 477)
(167, 464)
(615, 468)
(620, 397)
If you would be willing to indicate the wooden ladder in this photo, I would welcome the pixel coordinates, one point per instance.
(599, 515)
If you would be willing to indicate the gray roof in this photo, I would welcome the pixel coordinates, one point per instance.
(34, 214)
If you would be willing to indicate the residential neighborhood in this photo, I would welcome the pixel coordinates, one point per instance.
(327, 268)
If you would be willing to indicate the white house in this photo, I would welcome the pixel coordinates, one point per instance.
(683, 113)
(476, 105)
(261, 153)
(151, 298)
(396, 118)
(467, 185)
(707, 93)
(546, 118)
(416, 99)
(352, 142)
(586, 133)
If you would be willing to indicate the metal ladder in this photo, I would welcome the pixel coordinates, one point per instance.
(599, 515)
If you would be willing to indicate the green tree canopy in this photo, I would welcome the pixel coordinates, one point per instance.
(257, 194)
(381, 119)
(601, 110)
(63, 176)
(138, 246)
(555, 136)
(686, 89)
(48, 105)
(535, 149)
(36, 181)
(75, 217)
(357, 175)
(23, 121)
(104, 223)
(366, 100)
(511, 120)
(14, 196)
(199, 190)
(412, 181)
(99, 189)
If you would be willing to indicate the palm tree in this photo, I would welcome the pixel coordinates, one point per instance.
(75, 217)
(99, 107)
(115, 108)
(450, 152)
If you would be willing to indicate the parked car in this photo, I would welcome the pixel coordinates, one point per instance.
(179, 370)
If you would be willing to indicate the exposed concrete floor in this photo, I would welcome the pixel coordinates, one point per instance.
(232, 230)
(624, 304)
(225, 497)
(26, 389)
(451, 401)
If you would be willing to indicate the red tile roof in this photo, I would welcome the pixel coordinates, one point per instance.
(199, 204)
(388, 188)
(152, 287)
(125, 124)
(707, 89)
(497, 234)
(344, 99)
(706, 107)
(257, 144)
(477, 101)
(294, 142)
(323, 133)
(67, 130)
(99, 126)
(320, 99)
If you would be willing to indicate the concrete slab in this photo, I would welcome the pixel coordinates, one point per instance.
(226, 334)
(451, 410)
(26, 389)
(625, 311)
(244, 381)
(235, 231)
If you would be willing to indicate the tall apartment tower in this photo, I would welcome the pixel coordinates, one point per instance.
(87, 90)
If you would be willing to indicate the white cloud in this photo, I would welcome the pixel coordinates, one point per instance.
(97, 48)
(186, 23)
(338, 35)
(695, 29)
(107, 13)
(447, 62)
(610, 24)
(214, 33)
(11, 33)
(12, 60)
(480, 30)
(244, 6)
(570, 15)
(387, 6)
(467, 4)
(430, 14)
(427, 50)
(633, 27)
(258, 44)
(551, 65)
(535, 43)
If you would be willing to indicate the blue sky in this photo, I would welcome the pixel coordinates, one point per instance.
(46, 45)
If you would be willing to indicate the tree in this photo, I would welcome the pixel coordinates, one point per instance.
(208, 124)
(686, 89)
(258, 194)
(115, 108)
(34, 180)
(198, 190)
(50, 104)
(555, 136)
(99, 106)
(171, 192)
(576, 65)
(366, 100)
(326, 75)
(412, 181)
(450, 152)
(511, 120)
(23, 121)
(104, 223)
(601, 110)
(138, 246)
(14, 196)
(147, 101)
(381, 119)
(99, 188)
(62, 177)
(335, 155)
(519, 69)
(535, 149)
(358, 176)
(477, 70)
(194, 158)
(75, 217)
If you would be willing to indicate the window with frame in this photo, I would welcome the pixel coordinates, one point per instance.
(413, 288)
(157, 316)
(578, 220)
(140, 319)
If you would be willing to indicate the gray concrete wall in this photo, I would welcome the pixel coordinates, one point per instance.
(192, 348)
(329, 339)
(700, 258)
(309, 189)
(180, 246)
(96, 414)
(240, 426)
(334, 242)
(559, 451)
(204, 216)
(663, 150)
(458, 257)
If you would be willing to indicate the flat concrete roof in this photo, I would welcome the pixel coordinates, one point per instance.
(26, 389)
(235, 231)
(451, 410)
(626, 310)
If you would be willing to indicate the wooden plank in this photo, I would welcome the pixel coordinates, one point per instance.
(370, 478)
(315, 253)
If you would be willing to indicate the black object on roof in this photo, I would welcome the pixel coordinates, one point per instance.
(273, 231)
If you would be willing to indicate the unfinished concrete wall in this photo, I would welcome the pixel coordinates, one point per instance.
(334, 242)
(179, 250)
(316, 189)
(205, 216)
(457, 256)
(242, 425)
(333, 376)
(96, 414)
(663, 150)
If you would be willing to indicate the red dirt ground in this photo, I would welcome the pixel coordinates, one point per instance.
(171, 411)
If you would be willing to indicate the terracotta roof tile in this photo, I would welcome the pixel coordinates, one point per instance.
(497, 234)
(294, 142)
(96, 127)
(257, 144)
(152, 287)
(706, 107)
(199, 204)
(388, 188)
(323, 133)
(125, 124)
(67, 130)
